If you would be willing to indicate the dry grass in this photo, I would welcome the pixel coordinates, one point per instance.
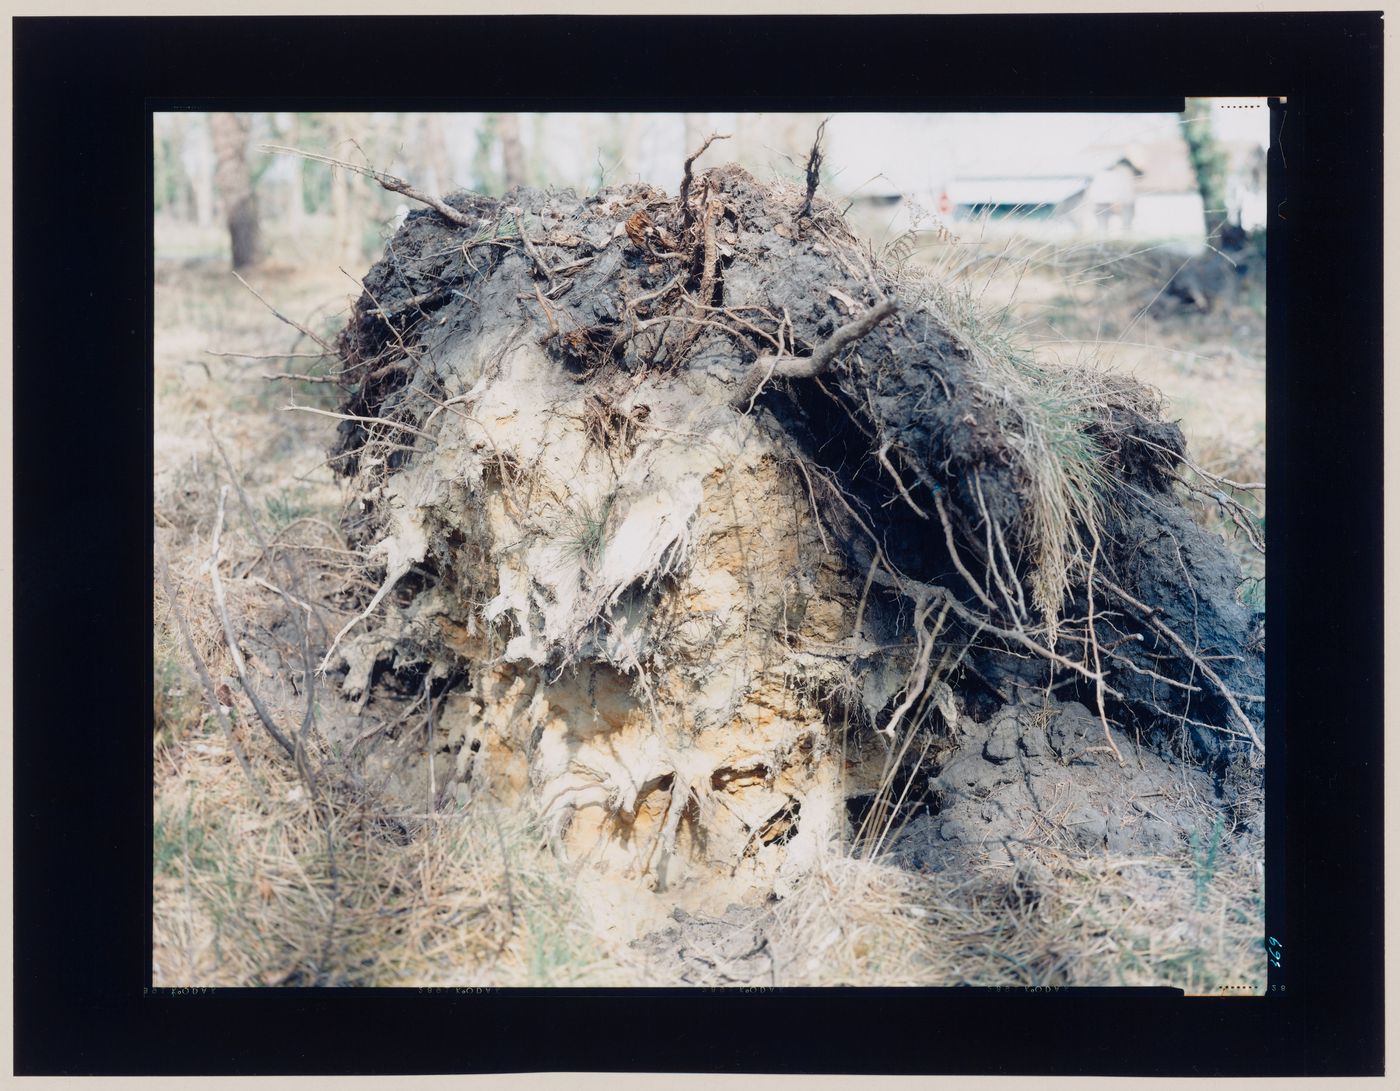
(247, 897)
(473, 899)
(353, 892)
(354, 895)
(1189, 921)
(1047, 407)
(1059, 323)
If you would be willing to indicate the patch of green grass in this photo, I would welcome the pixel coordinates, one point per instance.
(1204, 860)
(288, 506)
(586, 530)
(178, 839)
(174, 706)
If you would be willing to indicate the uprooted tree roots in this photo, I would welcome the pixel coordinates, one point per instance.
(696, 520)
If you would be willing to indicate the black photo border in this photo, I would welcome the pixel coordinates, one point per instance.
(83, 92)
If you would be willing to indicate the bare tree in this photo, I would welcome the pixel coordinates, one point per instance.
(349, 195)
(296, 184)
(512, 154)
(631, 144)
(192, 149)
(235, 184)
(433, 145)
(1208, 161)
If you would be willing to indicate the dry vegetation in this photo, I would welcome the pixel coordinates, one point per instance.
(1104, 305)
(348, 887)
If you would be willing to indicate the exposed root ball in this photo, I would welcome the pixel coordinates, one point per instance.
(697, 497)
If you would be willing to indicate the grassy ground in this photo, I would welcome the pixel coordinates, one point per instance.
(348, 889)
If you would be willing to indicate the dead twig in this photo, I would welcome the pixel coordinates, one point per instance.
(208, 684)
(1018, 613)
(1240, 515)
(883, 454)
(282, 317)
(398, 572)
(270, 355)
(306, 606)
(1150, 615)
(366, 420)
(548, 313)
(387, 181)
(230, 638)
(918, 677)
(531, 249)
(805, 367)
(384, 315)
(710, 268)
(632, 304)
(814, 171)
(953, 553)
(812, 497)
(302, 378)
(915, 591)
(687, 217)
(1094, 647)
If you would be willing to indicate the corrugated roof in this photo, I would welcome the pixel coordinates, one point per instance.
(1006, 190)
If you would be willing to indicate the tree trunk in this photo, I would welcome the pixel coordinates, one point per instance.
(631, 145)
(344, 227)
(512, 154)
(434, 152)
(296, 185)
(1208, 161)
(197, 160)
(235, 185)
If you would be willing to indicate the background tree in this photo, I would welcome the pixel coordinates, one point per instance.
(1208, 161)
(512, 153)
(432, 152)
(235, 185)
(196, 154)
